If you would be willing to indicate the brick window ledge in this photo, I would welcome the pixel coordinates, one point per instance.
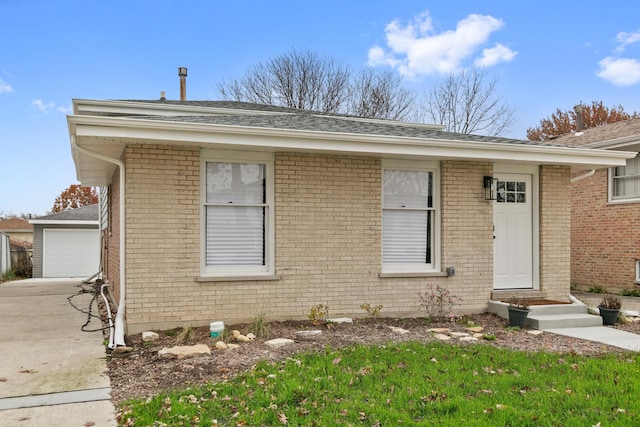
(413, 274)
(246, 278)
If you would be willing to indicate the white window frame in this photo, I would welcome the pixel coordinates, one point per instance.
(612, 177)
(224, 156)
(419, 166)
(637, 271)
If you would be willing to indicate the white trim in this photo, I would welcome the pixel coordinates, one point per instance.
(637, 271)
(425, 166)
(97, 128)
(620, 200)
(63, 222)
(239, 157)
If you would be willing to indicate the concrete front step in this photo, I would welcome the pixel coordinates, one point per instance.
(551, 316)
(556, 321)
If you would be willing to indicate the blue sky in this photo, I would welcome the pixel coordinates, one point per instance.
(545, 55)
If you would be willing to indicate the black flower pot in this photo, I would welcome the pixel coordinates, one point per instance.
(517, 317)
(609, 315)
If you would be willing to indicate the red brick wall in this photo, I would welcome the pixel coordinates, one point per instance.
(605, 237)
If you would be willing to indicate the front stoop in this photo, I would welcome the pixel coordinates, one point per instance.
(551, 316)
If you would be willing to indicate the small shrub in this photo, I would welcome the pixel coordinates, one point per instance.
(187, 334)
(437, 302)
(596, 290)
(489, 337)
(318, 314)
(259, 326)
(631, 293)
(519, 303)
(372, 311)
(611, 302)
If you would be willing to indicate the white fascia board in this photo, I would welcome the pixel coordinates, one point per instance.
(617, 143)
(63, 222)
(268, 139)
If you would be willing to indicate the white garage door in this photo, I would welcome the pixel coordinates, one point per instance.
(70, 252)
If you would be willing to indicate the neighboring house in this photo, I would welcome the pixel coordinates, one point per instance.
(67, 244)
(605, 214)
(18, 229)
(225, 210)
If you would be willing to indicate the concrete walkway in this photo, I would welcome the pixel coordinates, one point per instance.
(604, 334)
(51, 373)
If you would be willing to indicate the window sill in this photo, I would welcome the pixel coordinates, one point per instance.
(247, 278)
(413, 274)
(623, 201)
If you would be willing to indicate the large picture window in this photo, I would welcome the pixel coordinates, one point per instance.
(625, 181)
(409, 218)
(237, 212)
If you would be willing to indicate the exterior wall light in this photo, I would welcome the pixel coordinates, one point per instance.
(489, 188)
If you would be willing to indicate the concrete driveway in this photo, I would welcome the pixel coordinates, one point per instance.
(51, 372)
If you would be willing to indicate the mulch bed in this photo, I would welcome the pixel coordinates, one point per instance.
(142, 374)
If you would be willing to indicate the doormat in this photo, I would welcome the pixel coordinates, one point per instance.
(539, 301)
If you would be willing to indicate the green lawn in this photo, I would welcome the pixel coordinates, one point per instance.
(411, 384)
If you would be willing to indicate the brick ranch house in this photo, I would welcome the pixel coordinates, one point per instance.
(605, 214)
(224, 210)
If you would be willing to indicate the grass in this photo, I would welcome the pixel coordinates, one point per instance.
(411, 384)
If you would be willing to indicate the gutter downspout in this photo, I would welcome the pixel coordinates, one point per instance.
(118, 340)
(583, 176)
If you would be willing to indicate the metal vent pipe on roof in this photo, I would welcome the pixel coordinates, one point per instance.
(182, 72)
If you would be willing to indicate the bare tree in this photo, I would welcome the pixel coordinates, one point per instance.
(379, 95)
(467, 103)
(306, 80)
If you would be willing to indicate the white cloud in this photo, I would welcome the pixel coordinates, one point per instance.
(492, 56)
(625, 39)
(417, 49)
(47, 107)
(42, 106)
(620, 71)
(5, 87)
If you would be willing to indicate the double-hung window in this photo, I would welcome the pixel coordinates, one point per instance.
(410, 217)
(237, 214)
(625, 181)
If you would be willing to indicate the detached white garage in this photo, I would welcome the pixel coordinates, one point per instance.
(67, 244)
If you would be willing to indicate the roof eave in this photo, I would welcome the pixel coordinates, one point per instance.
(92, 131)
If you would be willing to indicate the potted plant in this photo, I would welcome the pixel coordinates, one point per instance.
(609, 309)
(518, 312)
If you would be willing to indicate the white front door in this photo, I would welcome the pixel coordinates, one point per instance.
(513, 232)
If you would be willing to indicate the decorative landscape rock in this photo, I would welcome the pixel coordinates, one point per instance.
(251, 336)
(397, 330)
(443, 337)
(233, 346)
(220, 345)
(341, 320)
(475, 329)
(279, 342)
(468, 339)
(185, 351)
(534, 332)
(242, 338)
(459, 334)
(149, 336)
(439, 330)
